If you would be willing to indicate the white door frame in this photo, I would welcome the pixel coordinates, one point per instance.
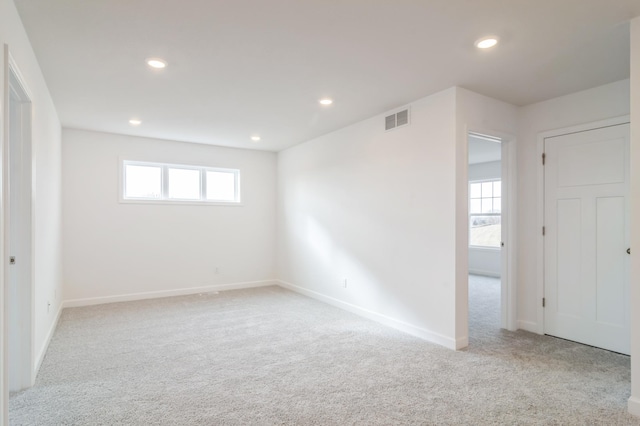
(19, 230)
(508, 292)
(540, 214)
(4, 366)
(13, 85)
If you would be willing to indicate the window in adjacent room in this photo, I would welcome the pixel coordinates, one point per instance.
(173, 183)
(485, 201)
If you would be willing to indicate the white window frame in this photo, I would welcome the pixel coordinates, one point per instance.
(490, 248)
(164, 197)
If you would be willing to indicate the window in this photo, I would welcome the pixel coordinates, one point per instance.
(179, 183)
(485, 205)
(184, 184)
(144, 182)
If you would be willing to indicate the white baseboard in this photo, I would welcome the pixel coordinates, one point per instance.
(164, 293)
(528, 326)
(383, 319)
(47, 340)
(634, 406)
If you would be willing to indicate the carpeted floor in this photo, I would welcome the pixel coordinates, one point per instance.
(269, 356)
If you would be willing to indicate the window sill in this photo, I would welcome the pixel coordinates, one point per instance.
(183, 203)
(485, 248)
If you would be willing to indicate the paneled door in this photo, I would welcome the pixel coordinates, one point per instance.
(586, 186)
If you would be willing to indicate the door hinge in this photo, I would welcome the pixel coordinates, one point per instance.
(543, 302)
(544, 157)
(543, 231)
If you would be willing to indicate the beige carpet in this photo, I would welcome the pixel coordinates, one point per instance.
(269, 356)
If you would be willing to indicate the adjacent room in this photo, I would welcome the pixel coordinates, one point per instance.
(286, 212)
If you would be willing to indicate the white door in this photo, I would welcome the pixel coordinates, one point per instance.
(587, 236)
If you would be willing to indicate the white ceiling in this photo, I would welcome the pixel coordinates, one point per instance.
(244, 67)
(483, 150)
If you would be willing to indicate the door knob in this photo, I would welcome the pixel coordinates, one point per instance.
(629, 250)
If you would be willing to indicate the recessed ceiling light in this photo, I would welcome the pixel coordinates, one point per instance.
(135, 122)
(156, 63)
(326, 101)
(255, 138)
(486, 42)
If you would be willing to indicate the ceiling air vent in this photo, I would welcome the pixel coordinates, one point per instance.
(400, 118)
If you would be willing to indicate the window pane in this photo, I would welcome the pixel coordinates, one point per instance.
(184, 184)
(487, 190)
(497, 188)
(221, 186)
(474, 206)
(474, 190)
(484, 231)
(143, 182)
(497, 205)
(487, 205)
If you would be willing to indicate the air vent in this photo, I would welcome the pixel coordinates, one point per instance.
(400, 118)
(390, 122)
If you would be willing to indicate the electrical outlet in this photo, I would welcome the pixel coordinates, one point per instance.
(217, 270)
(343, 282)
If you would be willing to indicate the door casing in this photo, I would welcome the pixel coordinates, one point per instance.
(17, 95)
(508, 292)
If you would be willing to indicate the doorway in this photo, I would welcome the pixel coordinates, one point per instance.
(586, 242)
(485, 233)
(18, 234)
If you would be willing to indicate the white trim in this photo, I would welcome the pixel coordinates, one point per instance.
(405, 327)
(164, 293)
(509, 257)
(172, 202)
(47, 341)
(16, 87)
(485, 248)
(13, 65)
(529, 326)
(634, 406)
(616, 121)
(539, 324)
(4, 334)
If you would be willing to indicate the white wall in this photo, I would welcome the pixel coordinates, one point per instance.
(374, 207)
(634, 401)
(485, 171)
(121, 251)
(485, 261)
(608, 101)
(46, 157)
